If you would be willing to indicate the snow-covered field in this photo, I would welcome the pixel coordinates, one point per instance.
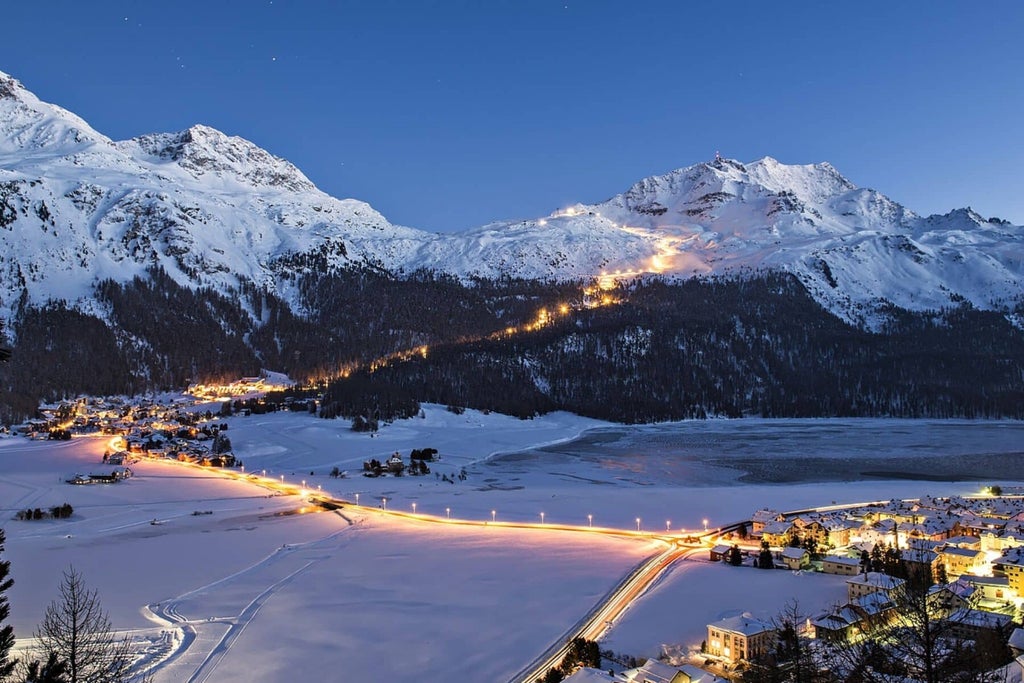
(269, 594)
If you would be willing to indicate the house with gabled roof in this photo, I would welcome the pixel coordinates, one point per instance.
(873, 582)
(794, 558)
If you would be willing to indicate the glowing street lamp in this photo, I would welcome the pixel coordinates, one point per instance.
(357, 499)
(705, 525)
(384, 503)
(638, 524)
(414, 508)
(542, 518)
(493, 513)
(590, 520)
(264, 474)
(668, 524)
(448, 513)
(282, 478)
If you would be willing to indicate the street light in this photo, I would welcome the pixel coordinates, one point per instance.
(384, 503)
(493, 513)
(264, 474)
(705, 525)
(668, 524)
(414, 508)
(357, 499)
(638, 524)
(542, 518)
(590, 520)
(282, 478)
(448, 513)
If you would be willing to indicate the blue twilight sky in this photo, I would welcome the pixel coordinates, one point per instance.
(449, 114)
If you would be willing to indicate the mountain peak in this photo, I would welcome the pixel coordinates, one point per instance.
(10, 87)
(202, 151)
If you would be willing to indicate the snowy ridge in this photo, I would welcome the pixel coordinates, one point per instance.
(213, 210)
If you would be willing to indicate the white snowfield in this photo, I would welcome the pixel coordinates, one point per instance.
(213, 209)
(257, 590)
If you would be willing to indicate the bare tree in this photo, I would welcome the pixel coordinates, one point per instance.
(77, 630)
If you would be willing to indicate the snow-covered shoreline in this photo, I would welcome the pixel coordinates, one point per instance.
(347, 584)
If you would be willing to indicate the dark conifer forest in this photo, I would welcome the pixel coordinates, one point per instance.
(376, 345)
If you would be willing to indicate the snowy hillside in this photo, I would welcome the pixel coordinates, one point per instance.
(213, 210)
(854, 248)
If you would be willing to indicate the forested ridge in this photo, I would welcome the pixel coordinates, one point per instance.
(755, 345)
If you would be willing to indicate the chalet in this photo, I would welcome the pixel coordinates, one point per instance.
(794, 558)
(844, 566)
(841, 626)
(720, 552)
(740, 638)
(945, 599)
(395, 464)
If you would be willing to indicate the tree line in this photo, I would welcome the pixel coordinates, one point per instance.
(752, 345)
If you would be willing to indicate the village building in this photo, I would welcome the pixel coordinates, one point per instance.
(960, 560)
(794, 558)
(761, 518)
(720, 552)
(872, 582)
(740, 638)
(1011, 565)
(777, 533)
(843, 566)
(972, 624)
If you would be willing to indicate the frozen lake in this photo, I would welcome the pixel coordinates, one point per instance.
(717, 452)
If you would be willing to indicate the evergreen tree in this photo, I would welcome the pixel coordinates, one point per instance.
(6, 630)
(52, 671)
(765, 559)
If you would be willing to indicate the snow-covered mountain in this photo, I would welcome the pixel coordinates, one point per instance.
(212, 210)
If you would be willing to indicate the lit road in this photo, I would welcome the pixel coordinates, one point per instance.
(600, 619)
(596, 622)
